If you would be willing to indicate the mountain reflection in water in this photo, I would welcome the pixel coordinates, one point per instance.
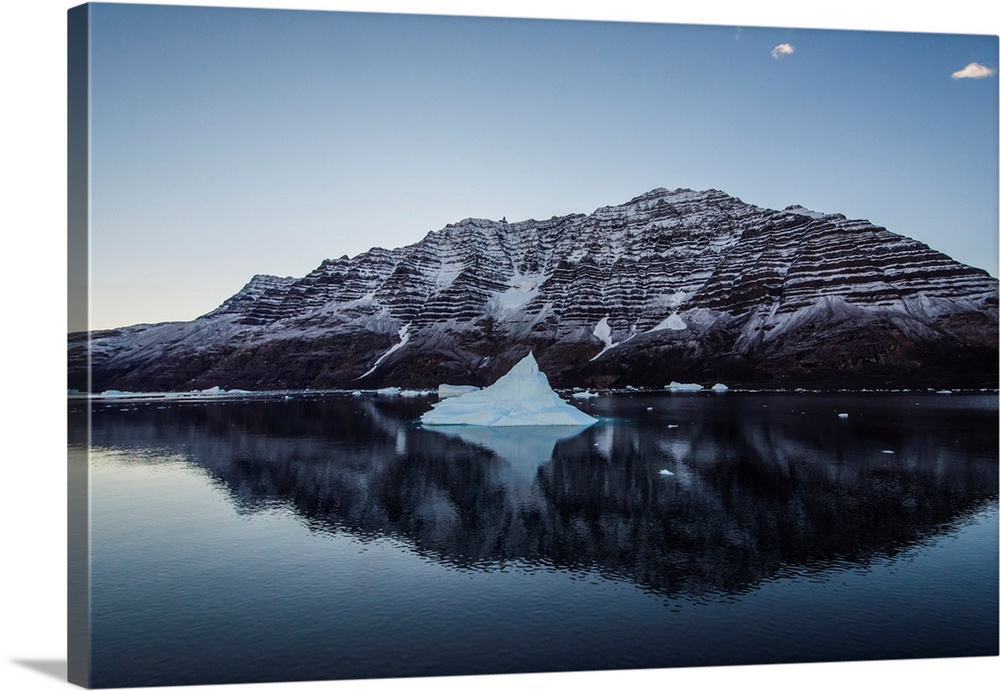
(760, 485)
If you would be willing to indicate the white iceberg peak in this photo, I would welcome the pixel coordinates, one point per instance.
(520, 397)
(680, 386)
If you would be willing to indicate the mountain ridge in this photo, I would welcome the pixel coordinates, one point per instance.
(670, 285)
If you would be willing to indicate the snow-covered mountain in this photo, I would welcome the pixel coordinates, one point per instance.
(671, 285)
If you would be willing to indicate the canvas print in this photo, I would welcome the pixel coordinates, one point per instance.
(416, 345)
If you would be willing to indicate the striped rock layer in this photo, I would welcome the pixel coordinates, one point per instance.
(674, 285)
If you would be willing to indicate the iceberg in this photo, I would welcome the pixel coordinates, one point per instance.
(446, 390)
(679, 386)
(520, 397)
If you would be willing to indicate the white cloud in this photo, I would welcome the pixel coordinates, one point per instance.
(974, 71)
(782, 50)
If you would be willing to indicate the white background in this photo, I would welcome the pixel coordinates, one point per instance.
(32, 478)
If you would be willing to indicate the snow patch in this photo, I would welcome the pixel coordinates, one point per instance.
(672, 323)
(520, 397)
(603, 333)
(522, 290)
(676, 299)
(450, 269)
(404, 336)
(803, 211)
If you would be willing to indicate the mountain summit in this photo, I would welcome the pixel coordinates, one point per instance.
(678, 285)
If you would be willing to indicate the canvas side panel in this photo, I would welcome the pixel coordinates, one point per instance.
(78, 509)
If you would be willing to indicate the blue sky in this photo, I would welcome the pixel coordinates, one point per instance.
(229, 142)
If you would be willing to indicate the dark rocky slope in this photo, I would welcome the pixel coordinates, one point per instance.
(672, 285)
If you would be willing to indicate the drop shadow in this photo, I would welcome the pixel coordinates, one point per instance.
(50, 668)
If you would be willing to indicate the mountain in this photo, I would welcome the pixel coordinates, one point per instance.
(682, 285)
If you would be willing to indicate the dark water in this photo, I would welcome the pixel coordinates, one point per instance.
(332, 537)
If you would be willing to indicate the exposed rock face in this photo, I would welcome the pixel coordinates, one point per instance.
(672, 285)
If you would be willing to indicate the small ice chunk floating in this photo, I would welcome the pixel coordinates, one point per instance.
(448, 390)
(520, 397)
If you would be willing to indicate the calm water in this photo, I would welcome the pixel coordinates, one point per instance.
(331, 537)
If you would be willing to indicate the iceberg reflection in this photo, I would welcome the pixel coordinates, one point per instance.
(755, 491)
(524, 449)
